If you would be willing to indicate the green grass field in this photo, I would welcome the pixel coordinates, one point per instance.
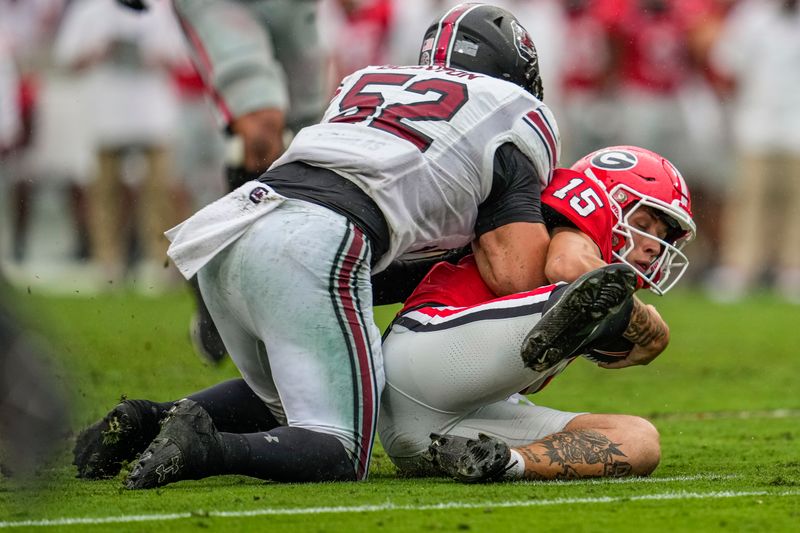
(725, 396)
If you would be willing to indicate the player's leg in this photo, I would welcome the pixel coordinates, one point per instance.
(444, 363)
(313, 310)
(744, 229)
(587, 445)
(128, 428)
(152, 212)
(458, 359)
(514, 421)
(297, 278)
(188, 443)
(131, 426)
(235, 55)
(788, 276)
(193, 437)
(105, 217)
(22, 195)
(404, 428)
(578, 315)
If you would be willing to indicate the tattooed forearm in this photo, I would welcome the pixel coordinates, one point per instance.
(644, 328)
(575, 454)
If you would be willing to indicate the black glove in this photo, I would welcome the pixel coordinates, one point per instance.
(136, 5)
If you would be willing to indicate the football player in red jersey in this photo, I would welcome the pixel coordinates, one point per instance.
(453, 354)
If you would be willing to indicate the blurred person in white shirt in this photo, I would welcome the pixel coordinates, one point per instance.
(26, 29)
(760, 49)
(125, 59)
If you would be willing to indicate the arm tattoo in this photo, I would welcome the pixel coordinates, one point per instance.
(643, 327)
(569, 449)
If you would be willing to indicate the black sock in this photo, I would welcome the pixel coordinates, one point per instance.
(235, 408)
(287, 454)
(150, 414)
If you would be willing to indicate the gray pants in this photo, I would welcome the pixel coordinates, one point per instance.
(258, 54)
(292, 301)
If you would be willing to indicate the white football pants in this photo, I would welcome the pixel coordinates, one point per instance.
(292, 300)
(457, 370)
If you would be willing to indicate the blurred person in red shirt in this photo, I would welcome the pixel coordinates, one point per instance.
(356, 33)
(587, 67)
(665, 101)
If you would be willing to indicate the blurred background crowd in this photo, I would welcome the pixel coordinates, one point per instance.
(107, 136)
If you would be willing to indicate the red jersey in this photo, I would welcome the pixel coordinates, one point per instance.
(586, 62)
(655, 53)
(580, 199)
(584, 202)
(364, 38)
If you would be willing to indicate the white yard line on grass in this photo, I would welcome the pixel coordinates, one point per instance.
(630, 480)
(728, 415)
(390, 507)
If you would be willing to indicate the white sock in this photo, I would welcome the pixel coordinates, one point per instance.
(516, 467)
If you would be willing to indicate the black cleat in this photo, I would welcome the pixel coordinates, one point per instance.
(187, 447)
(469, 460)
(570, 323)
(445, 450)
(123, 433)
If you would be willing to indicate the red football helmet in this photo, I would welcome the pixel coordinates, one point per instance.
(637, 178)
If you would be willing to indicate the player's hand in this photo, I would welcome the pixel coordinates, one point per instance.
(136, 5)
(649, 334)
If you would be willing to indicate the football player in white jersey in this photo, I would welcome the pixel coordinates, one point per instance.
(407, 160)
(457, 352)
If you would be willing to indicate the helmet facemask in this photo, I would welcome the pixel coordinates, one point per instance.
(671, 263)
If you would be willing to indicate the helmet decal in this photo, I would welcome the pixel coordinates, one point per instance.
(463, 46)
(523, 42)
(615, 160)
(425, 52)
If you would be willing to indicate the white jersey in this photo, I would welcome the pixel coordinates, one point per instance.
(420, 141)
